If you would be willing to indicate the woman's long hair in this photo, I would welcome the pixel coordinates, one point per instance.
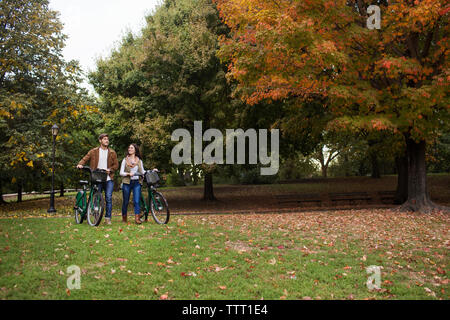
(137, 152)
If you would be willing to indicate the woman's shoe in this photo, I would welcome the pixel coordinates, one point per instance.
(137, 219)
(124, 219)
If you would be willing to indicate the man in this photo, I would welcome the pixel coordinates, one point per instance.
(103, 158)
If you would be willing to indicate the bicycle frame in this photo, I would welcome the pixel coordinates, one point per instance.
(85, 199)
(145, 205)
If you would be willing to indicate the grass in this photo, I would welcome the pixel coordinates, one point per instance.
(318, 255)
(300, 255)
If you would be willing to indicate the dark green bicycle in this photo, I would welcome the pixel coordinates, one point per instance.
(89, 203)
(155, 202)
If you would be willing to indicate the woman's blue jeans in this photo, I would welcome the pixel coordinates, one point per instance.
(134, 186)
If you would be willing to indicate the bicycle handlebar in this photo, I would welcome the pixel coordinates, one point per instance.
(90, 170)
(138, 174)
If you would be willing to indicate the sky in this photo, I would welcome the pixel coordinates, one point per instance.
(95, 27)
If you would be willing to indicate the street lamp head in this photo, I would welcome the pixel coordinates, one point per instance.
(55, 130)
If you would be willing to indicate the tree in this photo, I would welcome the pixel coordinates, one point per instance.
(37, 89)
(169, 74)
(393, 79)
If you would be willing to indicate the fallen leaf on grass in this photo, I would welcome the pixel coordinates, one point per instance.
(439, 270)
(429, 291)
(164, 296)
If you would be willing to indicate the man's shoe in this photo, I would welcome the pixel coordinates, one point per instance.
(137, 219)
(108, 220)
(124, 219)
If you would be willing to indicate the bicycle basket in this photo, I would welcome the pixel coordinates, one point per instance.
(151, 177)
(99, 176)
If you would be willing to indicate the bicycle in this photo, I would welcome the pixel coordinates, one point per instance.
(90, 207)
(156, 203)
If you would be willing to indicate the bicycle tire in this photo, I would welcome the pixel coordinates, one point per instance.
(160, 214)
(77, 209)
(96, 208)
(78, 215)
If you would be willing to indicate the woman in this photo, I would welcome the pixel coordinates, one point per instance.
(131, 165)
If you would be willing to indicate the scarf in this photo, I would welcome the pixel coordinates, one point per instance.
(130, 163)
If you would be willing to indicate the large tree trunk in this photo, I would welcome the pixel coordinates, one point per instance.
(418, 198)
(324, 171)
(61, 189)
(375, 166)
(180, 172)
(2, 201)
(208, 193)
(194, 175)
(347, 171)
(401, 194)
(19, 191)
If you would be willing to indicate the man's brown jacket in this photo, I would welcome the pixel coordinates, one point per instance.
(94, 154)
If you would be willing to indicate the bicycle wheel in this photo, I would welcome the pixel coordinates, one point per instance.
(144, 208)
(160, 212)
(78, 208)
(95, 209)
(78, 212)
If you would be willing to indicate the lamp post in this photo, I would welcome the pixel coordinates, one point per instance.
(52, 195)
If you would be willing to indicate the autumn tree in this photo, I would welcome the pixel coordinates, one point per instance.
(170, 75)
(37, 89)
(393, 79)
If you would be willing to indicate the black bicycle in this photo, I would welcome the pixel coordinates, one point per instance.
(155, 203)
(89, 204)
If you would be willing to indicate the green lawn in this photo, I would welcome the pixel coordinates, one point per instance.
(318, 255)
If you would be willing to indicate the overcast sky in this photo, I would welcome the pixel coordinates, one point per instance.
(94, 27)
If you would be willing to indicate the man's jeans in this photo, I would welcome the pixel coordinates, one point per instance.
(108, 186)
(134, 186)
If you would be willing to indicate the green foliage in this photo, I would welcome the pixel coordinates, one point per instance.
(174, 180)
(37, 89)
(164, 79)
(439, 154)
(298, 167)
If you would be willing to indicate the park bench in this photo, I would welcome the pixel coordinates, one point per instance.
(299, 198)
(351, 197)
(386, 196)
